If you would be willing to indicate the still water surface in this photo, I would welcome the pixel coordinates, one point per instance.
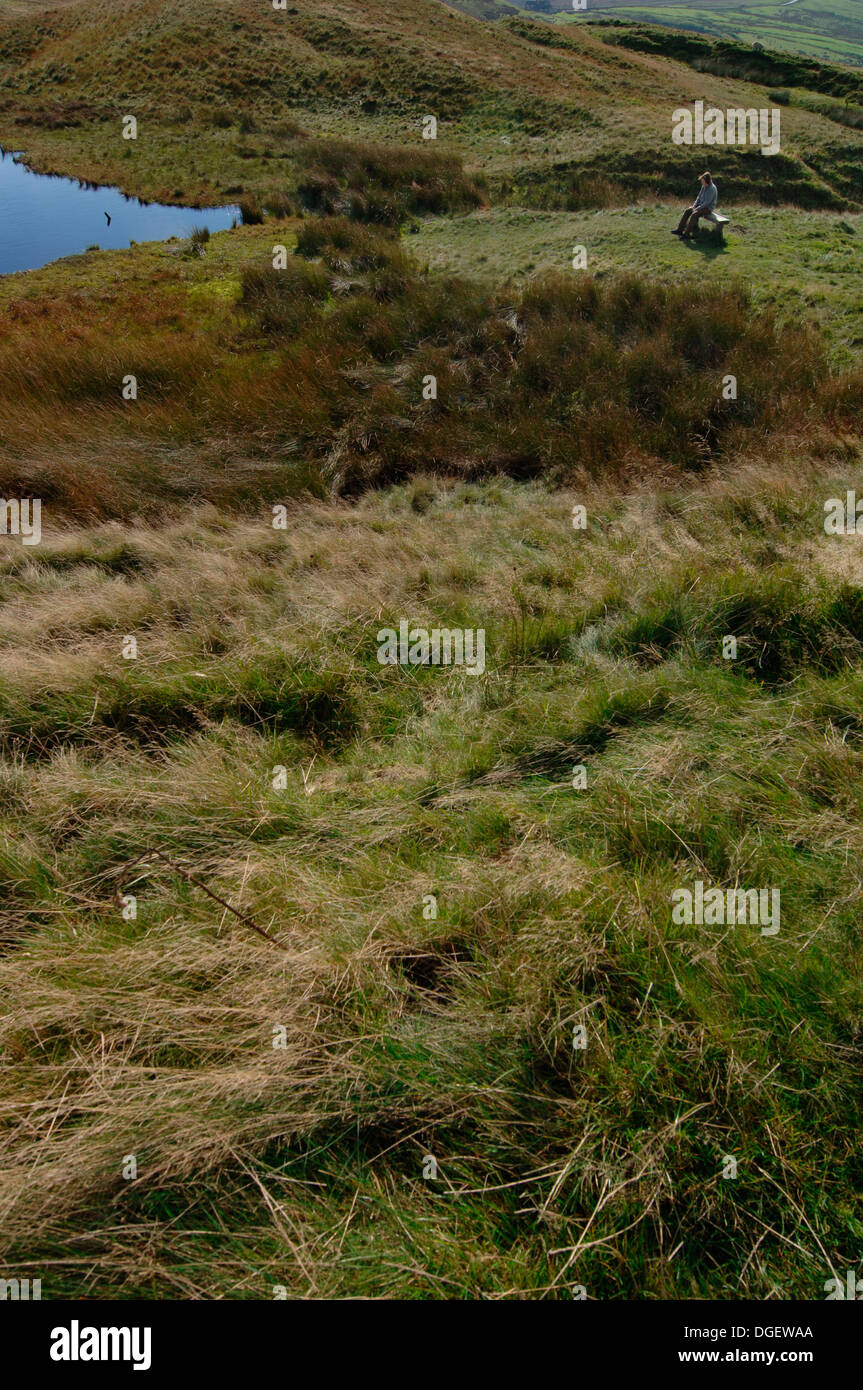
(44, 216)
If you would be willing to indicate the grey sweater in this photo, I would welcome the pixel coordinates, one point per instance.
(706, 200)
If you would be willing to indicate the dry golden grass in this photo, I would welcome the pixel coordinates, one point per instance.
(409, 1033)
(406, 1036)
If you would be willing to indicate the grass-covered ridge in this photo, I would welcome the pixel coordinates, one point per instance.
(224, 93)
(726, 57)
(829, 30)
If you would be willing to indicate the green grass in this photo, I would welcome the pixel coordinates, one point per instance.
(799, 263)
(408, 1035)
(830, 30)
(450, 1037)
(226, 95)
(256, 749)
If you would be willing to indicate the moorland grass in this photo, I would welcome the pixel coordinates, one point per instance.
(234, 101)
(314, 378)
(453, 1037)
(256, 749)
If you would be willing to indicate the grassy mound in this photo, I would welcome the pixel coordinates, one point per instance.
(224, 94)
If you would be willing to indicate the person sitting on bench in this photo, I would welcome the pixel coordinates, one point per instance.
(703, 206)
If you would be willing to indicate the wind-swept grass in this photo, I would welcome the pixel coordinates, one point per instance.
(326, 977)
(408, 1035)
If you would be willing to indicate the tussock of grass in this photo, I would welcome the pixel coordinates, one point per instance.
(381, 184)
(781, 628)
(595, 357)
(312, 378)
(408, 1036)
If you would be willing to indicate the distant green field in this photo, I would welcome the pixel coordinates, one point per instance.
(828, 29)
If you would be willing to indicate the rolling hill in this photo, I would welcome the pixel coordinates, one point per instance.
(224, 92)
(831, 30)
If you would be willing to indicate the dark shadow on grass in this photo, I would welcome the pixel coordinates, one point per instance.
(708, 244)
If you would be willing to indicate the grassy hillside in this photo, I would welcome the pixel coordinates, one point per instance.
(402, 1008)
(831, 30)
(409, 1035)
(224, 93)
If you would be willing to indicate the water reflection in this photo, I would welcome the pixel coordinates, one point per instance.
(46, 216)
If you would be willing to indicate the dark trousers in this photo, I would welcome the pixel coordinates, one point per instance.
(689, 221)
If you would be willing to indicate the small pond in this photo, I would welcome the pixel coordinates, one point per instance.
(45, 216)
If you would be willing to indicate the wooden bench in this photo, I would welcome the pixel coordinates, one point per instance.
(719, 221)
